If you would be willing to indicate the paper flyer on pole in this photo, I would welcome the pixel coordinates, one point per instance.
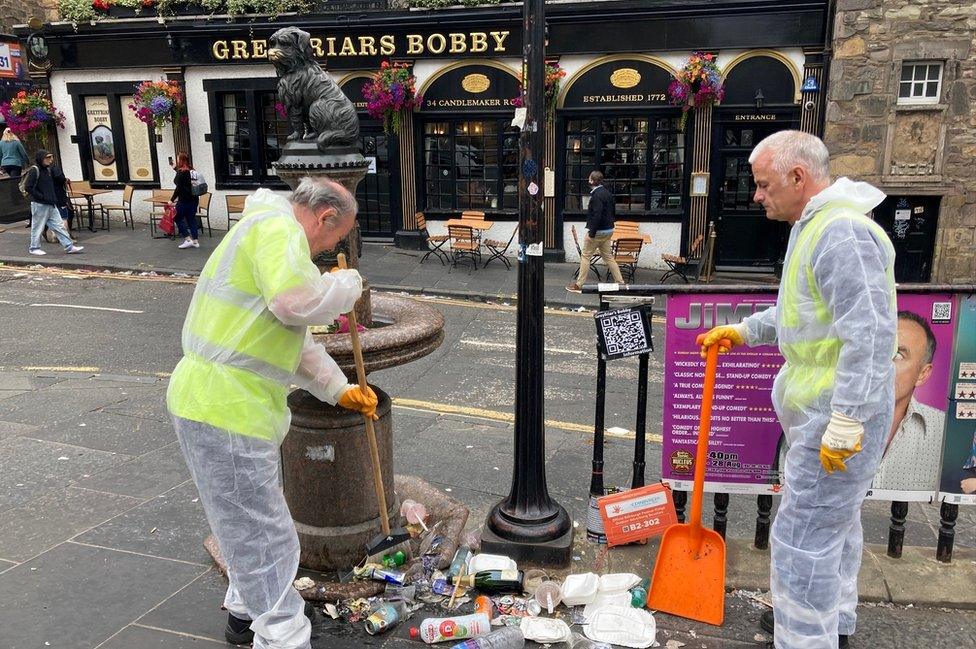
(747, 447)
(958, 482)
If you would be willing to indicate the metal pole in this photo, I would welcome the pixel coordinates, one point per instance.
(640, 441)
(529, 525)
(947, 532)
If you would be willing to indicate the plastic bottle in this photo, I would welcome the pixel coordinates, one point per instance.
(483, 604)
(460, 559)
(441, 629)
(582, 642)
(395, 559)
(385, 617)
(548, 595)
(506, 638)
(638, 594)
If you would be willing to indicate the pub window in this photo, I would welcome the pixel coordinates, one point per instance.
(471, 164)
(252, 135)
(642, 160)
(921, 82)
(114, 146)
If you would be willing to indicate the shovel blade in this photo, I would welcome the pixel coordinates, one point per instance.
(689, 576)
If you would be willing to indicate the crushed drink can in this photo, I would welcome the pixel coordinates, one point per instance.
(383, 619)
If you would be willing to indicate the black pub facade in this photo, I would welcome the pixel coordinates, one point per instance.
(459, 150)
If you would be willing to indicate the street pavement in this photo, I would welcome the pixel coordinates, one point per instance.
(101, 529)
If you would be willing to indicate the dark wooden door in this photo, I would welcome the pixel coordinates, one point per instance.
(378, 201)
(910, 222)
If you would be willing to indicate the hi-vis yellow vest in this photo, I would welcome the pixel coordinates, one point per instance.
(805, 324)
(239, 360)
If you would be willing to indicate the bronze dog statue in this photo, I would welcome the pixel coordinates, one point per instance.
(317, 109)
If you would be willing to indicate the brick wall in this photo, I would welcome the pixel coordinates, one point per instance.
(923, 151)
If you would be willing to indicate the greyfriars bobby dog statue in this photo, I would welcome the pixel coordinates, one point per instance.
(317, 109)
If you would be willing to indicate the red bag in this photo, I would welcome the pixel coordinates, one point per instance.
(168, 223)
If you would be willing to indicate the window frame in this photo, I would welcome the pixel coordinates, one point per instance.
(922, 100)
(452, 119)
(651, 114)
(113, 92)
(252, 89)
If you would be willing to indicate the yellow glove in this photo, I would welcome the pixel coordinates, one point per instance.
(360, 400)
(736, 334)
(840, 441)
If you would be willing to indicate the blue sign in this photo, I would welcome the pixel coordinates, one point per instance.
(810, 84)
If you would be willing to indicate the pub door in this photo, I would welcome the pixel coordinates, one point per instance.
(745, 238)
(910, 222)
(378, 198)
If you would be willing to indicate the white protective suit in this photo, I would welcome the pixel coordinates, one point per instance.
(260, 288)
(816, 537)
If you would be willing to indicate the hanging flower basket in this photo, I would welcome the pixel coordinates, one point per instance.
(29, 113)
(158, 103)
(698, 83)
(554, 74)
(391, 93)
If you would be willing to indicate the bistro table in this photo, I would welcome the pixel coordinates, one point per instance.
(475, 224)
(89, 196)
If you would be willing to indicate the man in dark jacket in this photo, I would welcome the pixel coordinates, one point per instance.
(45, 198)
(599, 230)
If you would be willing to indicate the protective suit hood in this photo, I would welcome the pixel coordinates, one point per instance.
(861, 196)
(264, 198)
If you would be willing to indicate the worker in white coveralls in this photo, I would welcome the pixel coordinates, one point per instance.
(245, 342)
(835, 324)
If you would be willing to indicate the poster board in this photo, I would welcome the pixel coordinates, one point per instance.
(958, 479)
(101, 139)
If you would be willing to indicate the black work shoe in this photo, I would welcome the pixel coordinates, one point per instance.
(767, 623)
(238, 630)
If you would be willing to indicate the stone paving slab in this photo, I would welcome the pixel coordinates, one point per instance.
(195, 610)
(75, 596)
(111, 431)
(145, 476)
(12, 428)
(39, 525)
(132, 637)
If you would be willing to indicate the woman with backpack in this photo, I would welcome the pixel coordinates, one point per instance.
(13, 156)
(186, 201)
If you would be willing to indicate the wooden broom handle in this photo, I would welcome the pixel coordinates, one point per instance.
(374, 452)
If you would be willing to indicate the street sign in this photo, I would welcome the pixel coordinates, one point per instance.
(637, 514)
(624, 332)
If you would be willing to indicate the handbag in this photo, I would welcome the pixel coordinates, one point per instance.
(168, 223)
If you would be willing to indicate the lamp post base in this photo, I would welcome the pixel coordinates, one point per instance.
(555, 552)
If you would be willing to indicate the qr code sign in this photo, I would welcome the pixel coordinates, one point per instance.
(941, 311)
(623, 332)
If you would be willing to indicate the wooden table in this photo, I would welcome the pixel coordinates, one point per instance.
(475, 224)
(630, 234)
(89, 196)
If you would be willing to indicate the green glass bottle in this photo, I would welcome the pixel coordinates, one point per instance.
(494, 581)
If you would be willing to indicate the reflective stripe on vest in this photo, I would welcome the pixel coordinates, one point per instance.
(280, 342)
(811, 359)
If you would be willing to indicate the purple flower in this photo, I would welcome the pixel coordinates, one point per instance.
(161, 105)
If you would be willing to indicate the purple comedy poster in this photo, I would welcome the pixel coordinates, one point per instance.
(747, 446)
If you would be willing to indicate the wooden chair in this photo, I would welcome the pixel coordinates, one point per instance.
(125, 208)
(434, 243)
(235, 207)
(473, 215)
(203, 212)
(498, 249)
(579, 251)
(79, 206)
(626, 252)
(463, 245)
(684, 267)
(157, 210)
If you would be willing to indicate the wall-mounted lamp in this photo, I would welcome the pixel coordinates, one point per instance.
(760, 99)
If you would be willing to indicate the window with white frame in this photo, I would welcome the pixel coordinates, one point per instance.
(921, 82)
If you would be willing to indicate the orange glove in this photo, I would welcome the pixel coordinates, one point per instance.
(360, 400)
(725, 336)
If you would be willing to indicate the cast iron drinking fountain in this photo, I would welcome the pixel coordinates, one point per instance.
(326, 468)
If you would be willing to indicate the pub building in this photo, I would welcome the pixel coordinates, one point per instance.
(459, 150)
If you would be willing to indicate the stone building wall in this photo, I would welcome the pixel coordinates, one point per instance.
(17, 12)
(916, 150)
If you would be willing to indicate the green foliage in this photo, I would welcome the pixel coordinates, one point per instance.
(83, 11)
(436, 4)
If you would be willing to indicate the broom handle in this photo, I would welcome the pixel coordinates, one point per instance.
(701, 452)
(374, 452)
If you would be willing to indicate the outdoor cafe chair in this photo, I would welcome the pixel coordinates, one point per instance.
(497, 249)
(579, 251)
(463, 245)
(203, 212)
(235, 207)
(684, 267)
(434, 243)
(125, 208)
(626, 252)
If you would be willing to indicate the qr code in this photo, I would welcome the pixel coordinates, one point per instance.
(941, 311)
(623, 332)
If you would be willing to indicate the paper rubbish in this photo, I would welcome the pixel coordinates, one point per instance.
(545, 630)
(606, 599)
(622, 625)
(482, 562)
(617, 582)
(580, 589)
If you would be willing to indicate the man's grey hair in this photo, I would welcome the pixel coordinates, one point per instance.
(316, 193)
(791, 149)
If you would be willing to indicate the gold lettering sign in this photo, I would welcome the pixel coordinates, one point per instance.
(625, 78)
(475, 83)
(755, 118)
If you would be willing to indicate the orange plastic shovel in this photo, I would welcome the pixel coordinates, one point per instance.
(689, 576)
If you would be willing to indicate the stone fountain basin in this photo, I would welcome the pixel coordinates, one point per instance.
(403, 330)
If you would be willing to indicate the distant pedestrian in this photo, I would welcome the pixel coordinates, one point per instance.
(45, 198)
(599, 230)
(186, 202)
(13, 155)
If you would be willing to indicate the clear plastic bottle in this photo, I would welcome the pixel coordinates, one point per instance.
(505, 638)
(582, 642)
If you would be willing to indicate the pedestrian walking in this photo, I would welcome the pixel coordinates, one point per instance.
(245, 341)
(45, 198)
(13, 155)
(186, 202)
(836, 325)
(599, 230)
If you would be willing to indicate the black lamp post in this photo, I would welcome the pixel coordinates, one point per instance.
(529, 525)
